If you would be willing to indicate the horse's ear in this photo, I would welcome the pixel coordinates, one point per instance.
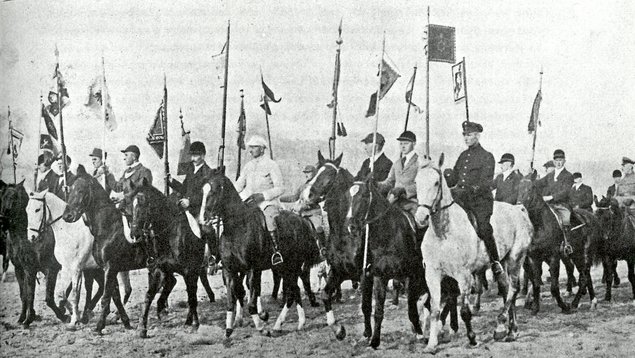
(144, 181)
(321, 159)
(441, 159)
(338, 160)
(22, 183)
(595, 200)
(81, 171)
(533, 175)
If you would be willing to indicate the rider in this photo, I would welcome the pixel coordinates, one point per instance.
(196, 176)
(261, 183)
(506, 183)
(134, 174)
(471, 178)
(61, 187)
(555, 188)
(580, 195)
(625, 191)
(381, 165)
(96, 157)
(617, 175)
(400, 183)
(47, 178)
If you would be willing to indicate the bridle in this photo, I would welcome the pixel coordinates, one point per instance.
(435, 207)
(370, 201)
(43, 223)
(327, 188)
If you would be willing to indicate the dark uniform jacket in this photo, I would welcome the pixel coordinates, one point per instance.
(507, 190)
(473, 173)
(381, 168)
(48, 182)
(110, 180)
(131, 175)
(59, 189)
(610, 192)
(559, 188)
(192, 187)
(581, 197)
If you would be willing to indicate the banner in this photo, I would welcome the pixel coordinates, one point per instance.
(156, 135)
(441, 43)
(458, 81)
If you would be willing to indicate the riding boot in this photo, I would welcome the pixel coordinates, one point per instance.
(565, 246)
(276, 257)
(497, 268)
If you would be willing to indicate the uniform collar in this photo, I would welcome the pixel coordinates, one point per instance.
(476, 146)
(557, 172)
(507, 172)
(377, 155)
(197, 167)
(133, 165)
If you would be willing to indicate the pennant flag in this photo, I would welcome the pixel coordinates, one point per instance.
(458, 80)
(389, 76)
(409, 88)
(242, 126)
(184, 153)
(48, 121)
(156, 135)
(441, 43)
(336, 77)
(533, 119)
(15, 142)
(97, 95)
(267, 96)
(219, 64)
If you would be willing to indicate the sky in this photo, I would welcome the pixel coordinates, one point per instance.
(583, 47)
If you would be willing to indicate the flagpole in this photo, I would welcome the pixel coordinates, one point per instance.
(412, 89)
(59, 104)
(428, 87)
(533, 145)
(336, 80)
(39, 143)
(165, 131)
(264, 95)
(103, 114)
(221, 149)
(15, 180)
(467, 110)
(240, 149)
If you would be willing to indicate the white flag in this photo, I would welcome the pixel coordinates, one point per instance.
(97, 93)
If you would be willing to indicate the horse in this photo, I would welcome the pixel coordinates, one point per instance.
(390, 251)
(546, 247)
(619, 241)
(111, 250)
(73, 246)
(28, 257)
(451, 248)
(246, 249)
(175, 248)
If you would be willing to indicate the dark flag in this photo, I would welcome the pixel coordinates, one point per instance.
(388, 77)
(441, 43)
(49, 146)
(409, 88)
(242, 126)
(184, 153)
(15, 141)
(156, 135)
(533, 119)
(267, 97)
(48, 121)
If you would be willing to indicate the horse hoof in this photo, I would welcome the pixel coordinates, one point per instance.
(264, 316)
(374, 343)
(228, 332)
(212, 299)
(607, 298)
(341, 333)
(143, 333)
(429, 350)
(194, 328)
(65, 318)
(500, 333)
(72, 327)
(511, 337)
(315, 304)
(265, 333)
(37, 318)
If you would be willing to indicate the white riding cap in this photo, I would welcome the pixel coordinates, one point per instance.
(257, 141)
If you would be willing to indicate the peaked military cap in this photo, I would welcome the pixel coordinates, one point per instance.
(471, 127)
(96, 153)
(257, 141)
(133, 149)
(309, 169)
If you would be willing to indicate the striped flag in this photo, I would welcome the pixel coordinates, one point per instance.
(156, 135)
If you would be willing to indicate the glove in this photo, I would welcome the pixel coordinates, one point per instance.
(398, 192)
(255, 198)
(185, 203)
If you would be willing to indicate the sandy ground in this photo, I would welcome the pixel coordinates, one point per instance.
(607, 332)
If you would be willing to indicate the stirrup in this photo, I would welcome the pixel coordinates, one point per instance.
(150, 261)
(276, 258)
(566, 248)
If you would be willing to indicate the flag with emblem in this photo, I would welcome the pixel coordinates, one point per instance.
(100, 103)
(48, 121)
(533, 118)
(49, 145)
(267, 96)
(409, 88)
(219, 64)
(389, 76)
(441, 43)
(458, 81)
(15, 142)
(156, 135)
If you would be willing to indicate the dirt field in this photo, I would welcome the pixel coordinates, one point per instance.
(607, 332)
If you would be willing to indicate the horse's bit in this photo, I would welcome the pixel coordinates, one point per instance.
(435, 206)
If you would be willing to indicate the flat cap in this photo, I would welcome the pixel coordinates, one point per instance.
(471, 127)
(369, 139)
(96, 153)
(309, 169)
(133, 149)
(549, 164)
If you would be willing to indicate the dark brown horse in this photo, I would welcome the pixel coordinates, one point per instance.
(547, 242)
(175, 249)
(618, 241)
(246, 250)
(28, 257)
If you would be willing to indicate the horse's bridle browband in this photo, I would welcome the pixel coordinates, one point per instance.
(328, 189)
(43, 223)
(435, 206)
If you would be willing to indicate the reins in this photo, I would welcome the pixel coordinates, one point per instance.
(436, 207)
(43, 223)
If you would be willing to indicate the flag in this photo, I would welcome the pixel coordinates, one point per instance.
(219, 64)
(458, 80)
(184, 153)
(533, 119)
(388, 77)
(60, 86)
(49, 146)
(409, 88)
(97, 95)
(156, 135)
(267, 96)
(15, 142)
(336, 76)
(242, 126)
(441, 43)
(48, 121)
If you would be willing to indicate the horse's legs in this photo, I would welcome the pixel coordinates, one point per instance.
(51, 281)
(535, 273)
(276, 285)
(397, 286)
(98, 276)
(20, 277)
(167, 282)
(415, 289)
(231, 280)
(76, 281)
(191, 283)
(289, 288)
(608, 272)
(380, 287)
(569, 267)
(631, 274)
(507, 319)
(305, 276)
(433, 280)
(332, 284)
(366, 283)
(554, 271)
(583, 264)
(252, 305)
(123, 277)
(154, 284)
(205, 282)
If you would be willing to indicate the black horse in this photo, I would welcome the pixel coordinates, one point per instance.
(175, 248)
(246, 249)
(28, 257)
(547, 243)
(619, 241)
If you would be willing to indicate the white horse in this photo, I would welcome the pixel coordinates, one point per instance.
(73, 246)
(451, 248)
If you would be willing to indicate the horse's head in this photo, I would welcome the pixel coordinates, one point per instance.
(321, 183)
(360, 197)
(13, 200)
(81, 196)
(37, 212)
(609, 215)
(433, 193)
(527, 192)
(146, 204)
(215, 193)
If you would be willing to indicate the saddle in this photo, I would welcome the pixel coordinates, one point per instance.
(194, 226)
(576, 220)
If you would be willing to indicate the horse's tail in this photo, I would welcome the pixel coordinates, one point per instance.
(596, 250)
